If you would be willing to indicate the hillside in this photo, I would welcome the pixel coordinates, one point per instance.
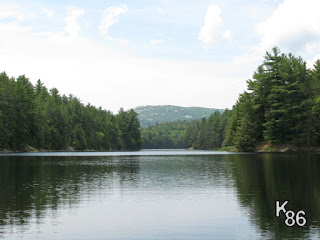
(151, 115)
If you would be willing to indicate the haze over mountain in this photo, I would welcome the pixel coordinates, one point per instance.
(151, 115)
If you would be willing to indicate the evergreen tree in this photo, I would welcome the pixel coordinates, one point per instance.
(130, 129)
(32, 115)
(279, 104)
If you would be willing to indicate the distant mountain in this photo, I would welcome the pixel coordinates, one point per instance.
(151, 115)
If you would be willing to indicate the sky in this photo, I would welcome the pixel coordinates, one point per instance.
(152, 52)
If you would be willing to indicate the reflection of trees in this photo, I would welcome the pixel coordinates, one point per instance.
(261, 179)
(29, 186)
(176, 173)
(32, 186)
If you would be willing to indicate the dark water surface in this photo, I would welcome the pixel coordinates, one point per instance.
(157, 195)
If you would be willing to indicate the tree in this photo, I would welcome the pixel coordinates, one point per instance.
(129, 126)
(32, 115)
(277, 108)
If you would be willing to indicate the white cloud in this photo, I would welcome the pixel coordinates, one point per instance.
(48, 12)
(227, 35)
(294, 26)
(212, 29)
(112, 79)
(311, 62)
(162, 11)
(10, 11)
(122, 42)
(156, 41)
(72, 27)
(110, 17)
(275, 1)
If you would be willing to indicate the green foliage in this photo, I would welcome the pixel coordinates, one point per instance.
(209, 133)
(198, 134)
(8, 115)
(129, 126)
(279, 106)
(169, 135)
(33, 116)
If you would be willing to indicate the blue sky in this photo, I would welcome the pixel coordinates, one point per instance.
(144, 52)
(175, 23)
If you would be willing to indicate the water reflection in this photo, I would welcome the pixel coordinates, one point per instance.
(177, 197)
(29, 186)
(262, 179)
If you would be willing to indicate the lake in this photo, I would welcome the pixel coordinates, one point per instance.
(158, 194)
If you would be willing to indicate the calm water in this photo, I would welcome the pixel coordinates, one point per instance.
(157, 195)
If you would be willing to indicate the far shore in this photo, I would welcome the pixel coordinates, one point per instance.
(279, 148)
(262, 147)
(29, 149)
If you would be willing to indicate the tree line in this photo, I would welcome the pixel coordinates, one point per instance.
(280, 106)
(208, 133)
(198, 134)
(170, 135)
(35, 116)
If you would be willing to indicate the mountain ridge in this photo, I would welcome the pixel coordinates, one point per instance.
(155, 114)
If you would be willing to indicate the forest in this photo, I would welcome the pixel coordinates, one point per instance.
(280, 106)
(33, 117)
(170, 135)
(198, 134)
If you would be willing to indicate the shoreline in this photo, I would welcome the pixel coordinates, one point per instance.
(30, 149)
(259, 148)
(276, 148)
